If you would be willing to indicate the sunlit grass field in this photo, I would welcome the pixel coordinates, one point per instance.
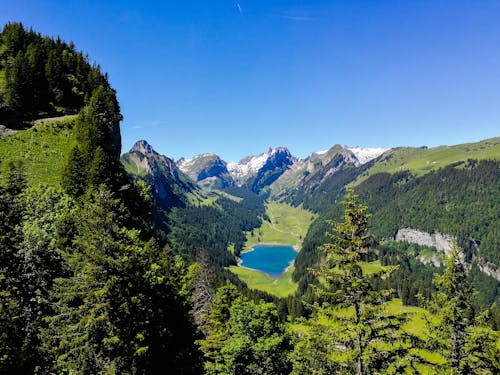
(288, 225)
(282, 287)
(420, 161)
(43, 151)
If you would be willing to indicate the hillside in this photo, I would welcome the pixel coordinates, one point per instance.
(420, 161)
(43, 151)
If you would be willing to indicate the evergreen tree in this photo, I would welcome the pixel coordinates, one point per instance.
(362, 336)
(245, 338)
(217, 326)
(12, 356)
(126, 307)
(468, 344)
(94, 160)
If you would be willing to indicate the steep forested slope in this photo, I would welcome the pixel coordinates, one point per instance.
(78, 263)
(41, 76)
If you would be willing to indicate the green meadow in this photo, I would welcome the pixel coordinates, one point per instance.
(43, 150)
(420, 161)
(287, 225)
(282, 287)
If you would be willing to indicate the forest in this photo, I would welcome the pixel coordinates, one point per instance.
(93, 282)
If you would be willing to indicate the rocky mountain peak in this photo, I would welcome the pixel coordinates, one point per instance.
(142, 147)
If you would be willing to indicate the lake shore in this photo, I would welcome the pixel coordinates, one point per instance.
(268, 244)
(251, 248)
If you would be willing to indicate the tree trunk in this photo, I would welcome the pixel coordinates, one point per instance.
(359, 365)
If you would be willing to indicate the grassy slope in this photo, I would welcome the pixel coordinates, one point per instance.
(421, 161)
(282, 287)
(43, 150)
(288, 225)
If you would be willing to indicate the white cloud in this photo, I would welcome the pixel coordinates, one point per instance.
(296, 18)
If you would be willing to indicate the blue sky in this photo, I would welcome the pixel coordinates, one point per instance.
(234, 77)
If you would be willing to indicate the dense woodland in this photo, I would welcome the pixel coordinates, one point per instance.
(43, 76)
(91, 283)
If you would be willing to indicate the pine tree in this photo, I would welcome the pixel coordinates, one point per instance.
(125, 309)
(217, 321)
(467, 342)
(13, 356)
(361, 335)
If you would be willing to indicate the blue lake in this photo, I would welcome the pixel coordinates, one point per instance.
(270, 259)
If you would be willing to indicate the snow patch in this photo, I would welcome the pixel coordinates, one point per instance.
(322, 152)
(364, 155)
(250, 165)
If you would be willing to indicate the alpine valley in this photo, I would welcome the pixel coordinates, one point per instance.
(130, 264)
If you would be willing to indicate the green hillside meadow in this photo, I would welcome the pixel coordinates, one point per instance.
(420, 161)
(43, 150)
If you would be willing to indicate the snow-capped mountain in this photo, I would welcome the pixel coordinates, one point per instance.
(257, 172)
(209, 170)
(250, 165)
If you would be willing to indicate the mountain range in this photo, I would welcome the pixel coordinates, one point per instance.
(276, 168)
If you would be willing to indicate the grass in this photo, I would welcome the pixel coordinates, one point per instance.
(43, 151)
(372, 267)
(2, 81)
(420, 161)
(132, 167)
(287, 225)
(282, 287)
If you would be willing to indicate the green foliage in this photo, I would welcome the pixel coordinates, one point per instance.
(12, 207)
(461, 200)
(43, 76)
(468, 344)
(43, 150)
(116, 279)
(94, 160)
(216, 329)
(365, 337)
(245, 337)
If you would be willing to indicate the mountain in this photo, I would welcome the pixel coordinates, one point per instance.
(208, 170)
(320, 168)
(258, 172)
(168, 184)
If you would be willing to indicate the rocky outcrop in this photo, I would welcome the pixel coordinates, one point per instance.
(442, 242)
(489, 269)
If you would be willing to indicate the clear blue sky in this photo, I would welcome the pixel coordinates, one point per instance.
(234, 77)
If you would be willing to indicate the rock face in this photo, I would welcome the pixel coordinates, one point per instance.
(258, 172)
(490, 270)
(310, 172)
(168, 184)
(208, 170)
(442, 242)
